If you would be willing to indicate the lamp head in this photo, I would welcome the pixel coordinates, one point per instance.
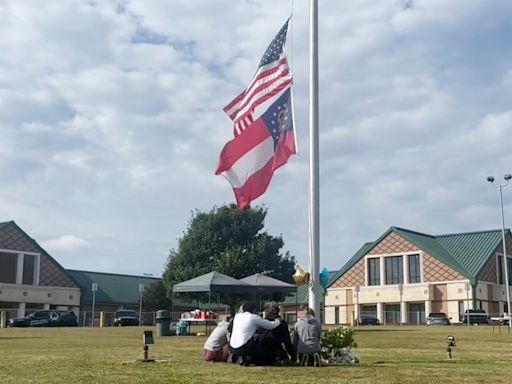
(507, 177)
(490, 179)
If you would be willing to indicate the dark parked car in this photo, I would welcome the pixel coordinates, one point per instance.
(125, 317)
(368, 320)
(476, 316)
(438, 318)
(45, 319)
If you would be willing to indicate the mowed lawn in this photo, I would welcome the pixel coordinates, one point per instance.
(388, 355)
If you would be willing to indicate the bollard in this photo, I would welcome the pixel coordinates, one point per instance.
(102, 319)
(3, 319)
(147, 338)
(451, 344)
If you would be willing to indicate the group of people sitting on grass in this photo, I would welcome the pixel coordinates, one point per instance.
(251, 339)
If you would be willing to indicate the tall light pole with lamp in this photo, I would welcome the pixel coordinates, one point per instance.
(507, 178)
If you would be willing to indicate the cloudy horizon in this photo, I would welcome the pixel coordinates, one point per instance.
(111, 121)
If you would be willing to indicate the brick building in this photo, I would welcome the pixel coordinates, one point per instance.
(405, 275)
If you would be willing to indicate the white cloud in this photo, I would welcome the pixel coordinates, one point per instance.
(111, 120)
(64, 243)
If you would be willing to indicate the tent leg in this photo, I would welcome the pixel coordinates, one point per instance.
(207, 326)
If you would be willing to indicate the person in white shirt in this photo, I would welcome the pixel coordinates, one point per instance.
(245, 325)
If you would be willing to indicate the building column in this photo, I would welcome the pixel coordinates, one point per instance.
(403, 312)
(21, 310)
(19, 270)
(428, 307)
(380, 312)
(46, 307)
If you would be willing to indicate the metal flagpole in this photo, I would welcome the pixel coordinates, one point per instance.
(314, 190)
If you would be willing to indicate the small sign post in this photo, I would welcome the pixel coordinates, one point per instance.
(147, 338)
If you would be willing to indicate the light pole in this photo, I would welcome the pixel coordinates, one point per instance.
(94, 288)
(507, 178)
(141, 291)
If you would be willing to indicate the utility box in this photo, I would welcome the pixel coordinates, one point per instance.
(163, 323)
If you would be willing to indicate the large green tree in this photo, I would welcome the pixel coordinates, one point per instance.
(229, 241)
(155, 297)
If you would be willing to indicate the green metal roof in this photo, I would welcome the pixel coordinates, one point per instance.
(303, 292)
(466, 253)
(472, 250)
(113, 288)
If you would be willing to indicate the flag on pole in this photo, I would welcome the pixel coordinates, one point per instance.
(251, 158)
(272, 76)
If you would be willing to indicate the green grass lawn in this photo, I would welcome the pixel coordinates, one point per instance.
(388, 355)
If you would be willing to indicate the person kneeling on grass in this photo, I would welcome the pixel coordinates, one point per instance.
(216, 347)
(307, 335)
(276, 344)
(245, 324)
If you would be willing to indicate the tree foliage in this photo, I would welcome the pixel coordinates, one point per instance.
(229, 241)
(155, 297)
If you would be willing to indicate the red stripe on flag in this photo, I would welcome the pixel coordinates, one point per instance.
(240, 145)
(258, 182)
(255, 186)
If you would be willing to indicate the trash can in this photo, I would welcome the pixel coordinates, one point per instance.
(163, 323)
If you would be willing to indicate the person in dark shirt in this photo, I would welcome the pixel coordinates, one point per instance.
(276, 345)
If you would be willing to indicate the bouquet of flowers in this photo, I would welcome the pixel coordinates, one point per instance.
(337, 345)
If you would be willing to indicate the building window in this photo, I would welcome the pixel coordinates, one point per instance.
(414, 269)
(501, 274)
(291, 318)
(374, 271)
(394, 270)
(29, 263)
(500, 269)
(509, 268)
(8, 267)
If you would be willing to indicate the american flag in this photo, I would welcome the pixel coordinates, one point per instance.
(272, 76)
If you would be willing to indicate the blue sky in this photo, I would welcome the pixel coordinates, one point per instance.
(111, 121)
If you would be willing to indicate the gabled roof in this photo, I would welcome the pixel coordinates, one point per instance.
(113, 288)
(303, 292)
(5, 223)
(354, 259)
(5, 226)
(466, 253)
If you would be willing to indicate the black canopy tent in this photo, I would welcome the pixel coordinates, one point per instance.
(212, 282)
(265, 284)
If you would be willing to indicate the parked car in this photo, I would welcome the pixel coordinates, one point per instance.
(476, 316)
(125, 317)
(368, 320)
(45, 319)
(438, 318)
